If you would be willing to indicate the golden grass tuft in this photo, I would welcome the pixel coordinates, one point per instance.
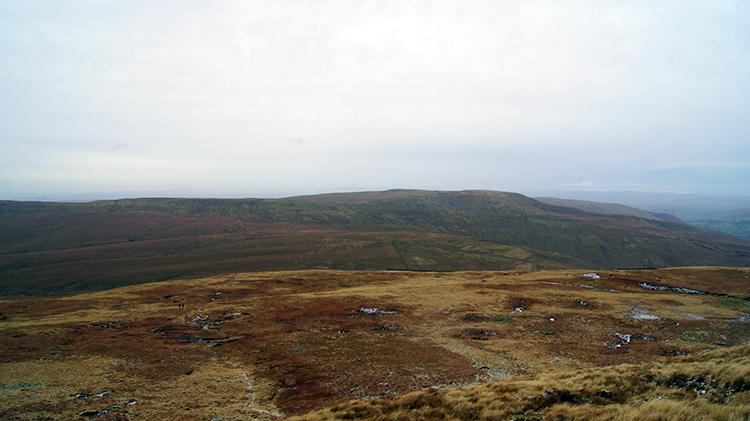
(708, 386)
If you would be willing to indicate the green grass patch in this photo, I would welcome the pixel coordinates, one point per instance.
(735, 304)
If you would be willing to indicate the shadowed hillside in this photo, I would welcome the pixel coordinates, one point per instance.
(72, 246)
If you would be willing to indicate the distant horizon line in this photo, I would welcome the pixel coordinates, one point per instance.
(180, 194)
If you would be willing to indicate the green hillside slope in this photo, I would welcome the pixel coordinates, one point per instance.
(60, 246)
(734, 222)
(601, 240)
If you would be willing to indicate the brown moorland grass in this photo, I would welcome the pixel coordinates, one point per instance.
(713, 385)
(262, 345)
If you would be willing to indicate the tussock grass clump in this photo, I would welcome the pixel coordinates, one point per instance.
(708, 386)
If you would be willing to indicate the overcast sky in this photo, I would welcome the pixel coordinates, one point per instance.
(275, 98)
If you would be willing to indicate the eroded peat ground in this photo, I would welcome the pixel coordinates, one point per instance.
(267, 345)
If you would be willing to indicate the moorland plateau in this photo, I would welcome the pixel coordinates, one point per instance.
(386, 345)
(58, 247)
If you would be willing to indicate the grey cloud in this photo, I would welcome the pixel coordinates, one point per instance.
(507, 95)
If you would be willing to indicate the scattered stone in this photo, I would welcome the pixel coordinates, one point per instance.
(652, 287)
(91, 395)
(582, 303)
(624, 336)
(374, 311)
(521, 307)
(627, 338)
(92, 415)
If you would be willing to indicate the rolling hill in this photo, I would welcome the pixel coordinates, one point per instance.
(78, 246)
(608, 208)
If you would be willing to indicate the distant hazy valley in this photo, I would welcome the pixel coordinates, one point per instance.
(723, 213)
